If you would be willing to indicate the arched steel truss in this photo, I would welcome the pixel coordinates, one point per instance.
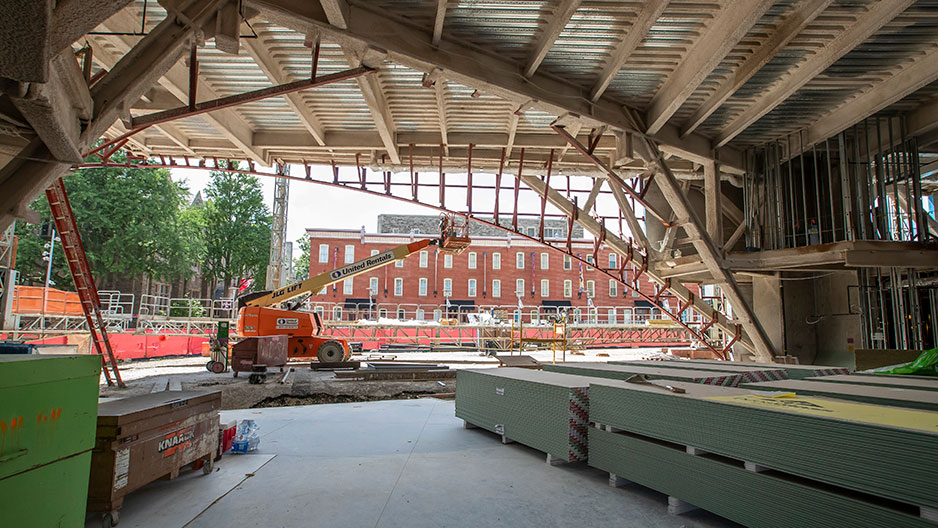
(633, 258)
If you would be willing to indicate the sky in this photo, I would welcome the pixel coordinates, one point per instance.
(313, 205)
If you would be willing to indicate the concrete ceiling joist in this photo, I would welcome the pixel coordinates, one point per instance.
(485, 71)
(797, 18)
(877, 15)
(176, 81)
(730, 25)
(646, 18)
(922, 71)
(338, 15)
(438, 22)
(275, 73)
(107, 60)
(439, 92)
(29, 174)
(561, 15)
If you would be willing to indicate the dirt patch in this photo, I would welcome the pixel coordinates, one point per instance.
(286, 400)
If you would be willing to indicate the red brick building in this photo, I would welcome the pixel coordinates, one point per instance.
(497, 271)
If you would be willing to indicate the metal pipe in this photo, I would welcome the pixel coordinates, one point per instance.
(830, 187)
(804, 190)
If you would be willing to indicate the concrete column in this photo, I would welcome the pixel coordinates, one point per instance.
(768, 308)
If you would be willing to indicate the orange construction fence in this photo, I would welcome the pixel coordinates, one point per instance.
(28, 300)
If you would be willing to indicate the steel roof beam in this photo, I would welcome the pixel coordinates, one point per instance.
(559, 19)
(866, 24)
(798, 18)
(730, 25)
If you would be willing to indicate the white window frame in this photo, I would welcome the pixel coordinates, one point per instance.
(568, 288)
(347, 286)
(472, 288)
(373, 285)
(496, 288)
(398, 287)
(613, 288)
(424, 259)
(545, 261)
(567, 263)
(612, 261)
(589, 261)
(519, 260)
(447, 287)
(336, 313)
(545, 288)
(519, 286)
(448, 261)
(473, 260)
(349, 253)
(591, 288)
(496, 261)
(374, 252)
(323, 253)
(422, 287)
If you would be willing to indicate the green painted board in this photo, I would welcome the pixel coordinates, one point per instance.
(895, 396)
(883, 381)
(48, 411)
(543, 410)
(880, 450)
(794, 371)
(757, 500)
(623, 372)
(751, 372)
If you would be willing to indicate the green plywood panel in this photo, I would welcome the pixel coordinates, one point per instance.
(546, 411)
(883, 451)
(793, 371)
(757, 500)
(52, 495)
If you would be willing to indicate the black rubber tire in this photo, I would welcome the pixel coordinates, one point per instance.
(330, 352)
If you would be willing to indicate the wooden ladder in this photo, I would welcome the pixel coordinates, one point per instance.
(81, 276)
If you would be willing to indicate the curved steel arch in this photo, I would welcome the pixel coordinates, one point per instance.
(361, 185)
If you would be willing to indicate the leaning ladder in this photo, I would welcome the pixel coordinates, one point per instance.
(81, 276)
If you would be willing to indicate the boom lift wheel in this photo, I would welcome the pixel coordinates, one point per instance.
(330, 352)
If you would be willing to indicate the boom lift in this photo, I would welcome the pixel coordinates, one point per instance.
(257, 316)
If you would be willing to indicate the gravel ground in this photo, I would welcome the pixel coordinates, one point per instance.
(305, 386)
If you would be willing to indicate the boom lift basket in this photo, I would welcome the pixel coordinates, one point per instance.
(454, 234)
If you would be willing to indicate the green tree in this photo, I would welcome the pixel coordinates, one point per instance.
(236, 229)
(132, 221)
(301, 263)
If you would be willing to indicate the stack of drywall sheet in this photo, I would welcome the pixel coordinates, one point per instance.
(895, 396)
(758, 500)
(918, 382)
(543, 410)
(751, 372)
(623, 372)
(794, 371)
(886, 452)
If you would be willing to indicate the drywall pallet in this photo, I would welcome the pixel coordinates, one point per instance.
(754, 497)
(543, 410)
(917, 382)
(751, 372)
(868, 448)
(895, 396)
(793, 371)
(623, 372)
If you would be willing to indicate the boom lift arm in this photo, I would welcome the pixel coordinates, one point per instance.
(328, 278)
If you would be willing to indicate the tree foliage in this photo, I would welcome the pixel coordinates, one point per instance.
(133, 221)
(301, 263)
(236, 229)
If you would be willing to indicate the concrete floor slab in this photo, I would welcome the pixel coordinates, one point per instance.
(410, 463)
